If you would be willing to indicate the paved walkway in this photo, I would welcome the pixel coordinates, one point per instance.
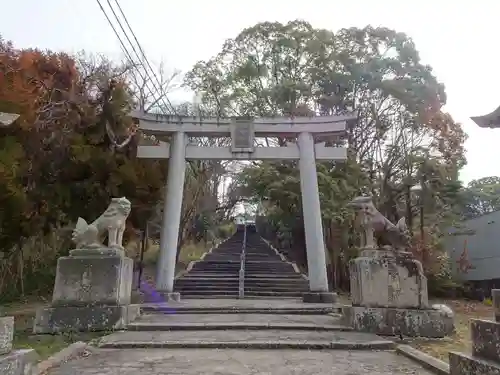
(216, 343)
(239, 362)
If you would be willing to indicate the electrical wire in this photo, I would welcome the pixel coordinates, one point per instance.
(145, 77)
(158, 90)
(144, 55)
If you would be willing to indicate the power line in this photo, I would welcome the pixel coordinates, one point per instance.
(158, 90)
(145, 77)
(123, 47)
(143, 54)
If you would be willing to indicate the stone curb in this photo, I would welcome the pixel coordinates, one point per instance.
(145, 326)
(428, 362)
(312, 345)
(71, 351)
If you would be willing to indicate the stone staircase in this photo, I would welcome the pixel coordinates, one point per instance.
(242, 324)
(216, 275)
(267, 273)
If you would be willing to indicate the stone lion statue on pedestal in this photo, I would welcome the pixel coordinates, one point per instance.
(376, 228)
(111, 222)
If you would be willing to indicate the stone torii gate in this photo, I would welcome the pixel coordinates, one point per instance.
(308, 130)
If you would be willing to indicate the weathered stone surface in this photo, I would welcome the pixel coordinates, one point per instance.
(84, 318)
(392, 321)
(429, 362)
(82, 281)
(19, 362)
(235, 306)
(381, 279)
(317, 320)
(6, 334)
(464, 364)
(98, 251)
(170, 296)
(256, 339)
(239, 362)
(319, 297)
(495, 295)
(171, 322)
(485, 339)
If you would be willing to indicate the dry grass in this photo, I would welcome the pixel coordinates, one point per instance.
(461, 340)
(44, 345)
(189, 252)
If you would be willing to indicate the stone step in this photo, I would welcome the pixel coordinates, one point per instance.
(258, 307)
(290, 276)
(218, 291)
(190, 322)
(277, 279)
(205, 287)
(278, 263)
(162, 326)
(227, 286)
(209, 276)
(264, 270)
(208, 281)
(274, 294)
(189, 279)
(276, 288)
(249, 339)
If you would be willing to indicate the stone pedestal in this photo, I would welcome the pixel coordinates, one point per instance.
(485, 358)
(319, 297)
(92, 292)
(384, 279)
(389, 297)
(14, 362)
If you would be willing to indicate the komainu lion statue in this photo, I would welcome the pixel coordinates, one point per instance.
(111, 222)
(377, 227)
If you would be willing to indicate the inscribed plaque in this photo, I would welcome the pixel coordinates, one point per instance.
(242, 135)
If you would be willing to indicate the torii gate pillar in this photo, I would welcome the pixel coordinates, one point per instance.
(313, 227)
(172, 210)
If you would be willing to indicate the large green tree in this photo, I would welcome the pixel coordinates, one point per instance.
(480, 197)
(401, 136)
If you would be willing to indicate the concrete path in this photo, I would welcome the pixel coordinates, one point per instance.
(214, 337)
(238, 362)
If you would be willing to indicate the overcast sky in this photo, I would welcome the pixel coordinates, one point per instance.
(459, 40)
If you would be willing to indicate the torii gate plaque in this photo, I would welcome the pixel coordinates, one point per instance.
(308, 131)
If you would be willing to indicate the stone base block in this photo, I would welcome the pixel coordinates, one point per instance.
(382, 278)
(19, 362)
(84, 318)
(89, 280)
(392, 321)
(170, 296)
(464, 364)
(319, 297)
(6, 334)
(485, 339)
